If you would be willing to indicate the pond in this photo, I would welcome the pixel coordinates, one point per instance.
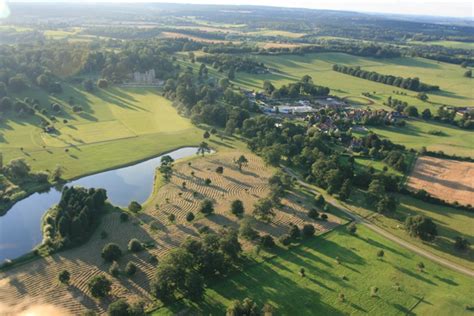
(20, 227)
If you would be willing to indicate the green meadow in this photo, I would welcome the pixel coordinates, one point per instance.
(455, 89)
(402, 288)
(117, 126)
(449, 44)
(450, 222)
(418, 133)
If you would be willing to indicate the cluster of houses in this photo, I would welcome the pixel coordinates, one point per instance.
(296, 107)
(326, 112)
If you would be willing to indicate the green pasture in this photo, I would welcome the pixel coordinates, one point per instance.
(455, 89)
(449, 44)
(117, 126)
(376, 164)
(451, 223)
(269, 32)
(416, 134)
(402, 288)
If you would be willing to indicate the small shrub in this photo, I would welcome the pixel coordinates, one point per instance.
(220, 170)
(421, 266)
(123, 217)
(118, 308)
(313, 214)
(64, 277)
(342, 297)
(134, 245)
(267, 241)
(461, 243)
(246, 229)
(285, 239)
(207, 181)
(111, 252)
(153, 260)
(207, 207)
(171, 217)
(99, 286)
(114, 269)
(308, 230)
(204, 230)
(302, 272)
(190, 217)
(237, 208)
(294, 232)
(130, 269)
(324, 217)
(380, 254)
(352, 228)
(134, 207)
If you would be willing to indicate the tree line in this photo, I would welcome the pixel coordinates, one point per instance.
(413, 84)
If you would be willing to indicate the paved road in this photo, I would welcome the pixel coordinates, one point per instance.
(358, 219)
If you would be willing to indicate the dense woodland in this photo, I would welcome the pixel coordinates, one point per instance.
(74, 219)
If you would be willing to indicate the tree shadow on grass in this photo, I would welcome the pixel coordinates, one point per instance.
(221, 143)
(377, 244)
(403, 309)
(263, 284)
(446, 280)
(415, 275)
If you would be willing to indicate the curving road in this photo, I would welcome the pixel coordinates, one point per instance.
(358, 219)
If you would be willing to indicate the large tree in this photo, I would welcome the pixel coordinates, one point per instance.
(421, 227)
(99, 286)
(263, 209)
(241, 161)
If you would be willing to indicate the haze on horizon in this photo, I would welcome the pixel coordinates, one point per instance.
(457, 8)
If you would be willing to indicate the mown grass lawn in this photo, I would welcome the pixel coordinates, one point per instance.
(117, 126)
(278, 282)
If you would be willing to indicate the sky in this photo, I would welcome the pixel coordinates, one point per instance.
(454, 8)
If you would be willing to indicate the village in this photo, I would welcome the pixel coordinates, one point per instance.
(326, 113)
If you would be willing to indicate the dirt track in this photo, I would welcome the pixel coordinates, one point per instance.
(449, 180)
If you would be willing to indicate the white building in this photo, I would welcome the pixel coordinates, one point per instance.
(292, 109)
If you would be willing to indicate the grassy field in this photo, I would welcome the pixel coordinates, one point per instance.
(116, 127)
(268, 32)
(277, 281)
(449, 44)
(456, 90)
(416, 134)
(450, 222)
(377, 165)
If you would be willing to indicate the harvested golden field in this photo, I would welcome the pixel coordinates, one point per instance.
(449, 180)
(36, 282)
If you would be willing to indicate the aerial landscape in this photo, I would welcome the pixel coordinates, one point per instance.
(235, 159)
